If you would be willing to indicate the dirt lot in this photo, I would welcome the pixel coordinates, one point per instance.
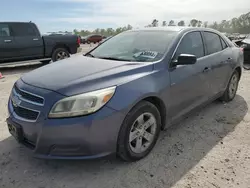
(209, 149)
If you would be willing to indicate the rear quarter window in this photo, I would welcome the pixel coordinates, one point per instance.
(213, 42)
(224, 44)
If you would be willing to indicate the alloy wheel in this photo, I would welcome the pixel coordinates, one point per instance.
(233, 85)
(61, 55)
(142, 133)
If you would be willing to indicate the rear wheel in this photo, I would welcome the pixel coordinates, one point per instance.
(59, 54)
(139, 132)
(232, 88)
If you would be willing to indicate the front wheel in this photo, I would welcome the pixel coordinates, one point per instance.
(59, 54)
(139, 132)
(232, 88)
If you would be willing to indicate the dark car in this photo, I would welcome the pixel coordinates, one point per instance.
(94, 38)
(22, 41)
(245, 44)
(119, 96)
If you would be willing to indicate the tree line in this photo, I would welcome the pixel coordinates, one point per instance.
(105, 32)
(235, 25)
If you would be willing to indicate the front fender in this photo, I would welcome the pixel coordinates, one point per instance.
(129, 94)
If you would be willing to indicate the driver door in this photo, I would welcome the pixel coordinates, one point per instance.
(189, 84)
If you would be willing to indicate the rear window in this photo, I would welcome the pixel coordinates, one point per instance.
(4, 30)
(23, 29)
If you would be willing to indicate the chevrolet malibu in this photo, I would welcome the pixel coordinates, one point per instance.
(119, 96)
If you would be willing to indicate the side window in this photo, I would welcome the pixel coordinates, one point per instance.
(213, 42)
(23, 30)
(191, 44)
(4, 30)
(224, 44)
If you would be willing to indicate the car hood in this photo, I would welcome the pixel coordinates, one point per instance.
(81, 74)
(247, 41)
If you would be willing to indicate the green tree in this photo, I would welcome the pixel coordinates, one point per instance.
(181, 23)
(129, 27)
(76, 32)
(205, 24)
(199, 24)
(154, 23)
(193, 22)
(171, 23)
(164, 23)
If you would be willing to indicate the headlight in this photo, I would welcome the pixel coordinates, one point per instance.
(82, 104)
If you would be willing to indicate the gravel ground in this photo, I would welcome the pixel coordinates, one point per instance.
(209, 149)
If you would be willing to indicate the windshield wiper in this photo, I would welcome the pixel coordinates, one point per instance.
(114, 58)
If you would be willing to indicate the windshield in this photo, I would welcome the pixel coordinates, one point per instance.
(142, 46)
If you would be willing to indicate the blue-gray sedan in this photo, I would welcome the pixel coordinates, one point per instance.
(120, 95)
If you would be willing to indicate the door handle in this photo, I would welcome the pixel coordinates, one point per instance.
(228, 59)
(207, 69)
(35, 39)
(7, 41)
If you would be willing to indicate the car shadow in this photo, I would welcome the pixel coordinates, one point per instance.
(20, 69)
(178, 150)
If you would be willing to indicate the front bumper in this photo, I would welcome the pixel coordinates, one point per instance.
(84, 137)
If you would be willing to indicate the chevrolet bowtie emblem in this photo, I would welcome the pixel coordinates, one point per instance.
(16, 101)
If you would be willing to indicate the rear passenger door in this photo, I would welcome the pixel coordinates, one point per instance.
(219, 58)
(7, 46)
(28, 42)
(189, 85)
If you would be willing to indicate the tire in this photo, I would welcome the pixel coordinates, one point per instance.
(126, 145)
(232, 87)
(60, 52)
(45, 61)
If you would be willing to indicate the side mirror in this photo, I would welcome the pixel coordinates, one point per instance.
(185, 59)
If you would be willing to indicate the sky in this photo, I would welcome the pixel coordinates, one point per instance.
(66, 15)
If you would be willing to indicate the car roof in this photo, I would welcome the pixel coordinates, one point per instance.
(174, 28)
(14, 22)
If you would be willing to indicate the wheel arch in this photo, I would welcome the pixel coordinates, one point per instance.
(60, 45)
(239, 70)
(160, 106)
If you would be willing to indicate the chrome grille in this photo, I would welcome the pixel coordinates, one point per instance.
(28, 97)
(18, 96)
(25, 113)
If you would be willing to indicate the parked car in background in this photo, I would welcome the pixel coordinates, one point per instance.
(83, 39)
(242, 36)
(120, 95)
(93, 38)
(22, 41)
(105, 39)
(245, 44)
